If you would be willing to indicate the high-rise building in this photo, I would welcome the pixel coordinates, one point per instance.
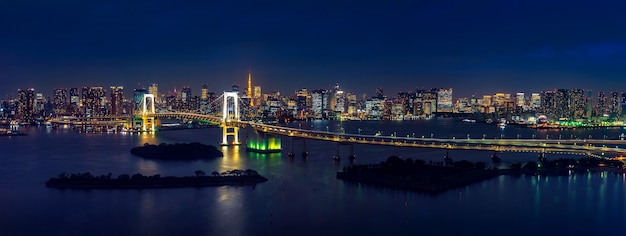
(561, 104)
(94, 101)
(40, 104)
(250, 89)
(60, 101)
(26, 105)
(429, 101)
(75, 102)
(601, 107)
(548, 104)
(444, 100)
(154, 90)
(577, 104)
(520, 100)
(204, 93)
(614, 105)
(319, 102)
(138, 95)
(257, 96)
(117, 100)
(535, 101)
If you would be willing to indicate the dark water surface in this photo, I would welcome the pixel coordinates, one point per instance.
(302, 197)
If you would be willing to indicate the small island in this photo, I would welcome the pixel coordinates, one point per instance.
(441, 176)
(177, 151)
(417, 175)
(139, 181)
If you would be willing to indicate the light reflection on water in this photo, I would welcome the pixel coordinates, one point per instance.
(302, 196)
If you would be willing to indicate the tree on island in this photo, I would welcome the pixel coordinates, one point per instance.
(199, 173)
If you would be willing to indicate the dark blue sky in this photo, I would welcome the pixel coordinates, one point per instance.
(476, 47)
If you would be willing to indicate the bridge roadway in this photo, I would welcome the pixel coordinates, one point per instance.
(569, 146)
(565, 146)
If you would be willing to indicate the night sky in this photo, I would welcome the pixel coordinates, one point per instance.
(475, 47)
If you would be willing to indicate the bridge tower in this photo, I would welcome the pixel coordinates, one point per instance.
(228, 129)
(147, 114)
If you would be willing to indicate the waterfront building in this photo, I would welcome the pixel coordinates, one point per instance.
(429, 101)
(601, 108)
(374, 108)
(615, 105)
(548, 104)
(117, 100)
(577, 104)
(60, 101)
(352, 104)
(94, 101)
(623, 105)
(40, 105)
(26, 105)
(520, 100)
(535, 101)
(418, 103)
(444, 100)
(319, 102)
(75, 102)
(204, 92)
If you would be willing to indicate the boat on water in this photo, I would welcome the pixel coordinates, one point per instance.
(501, 125)
(469, 121)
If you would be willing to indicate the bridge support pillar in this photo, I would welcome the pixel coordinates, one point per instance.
(147, 114)
(230, 131)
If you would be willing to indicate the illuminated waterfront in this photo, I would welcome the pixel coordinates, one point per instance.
(302, 196)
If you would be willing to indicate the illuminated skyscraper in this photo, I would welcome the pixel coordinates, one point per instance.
(154, 90)
(319, 102)
(548, 104)
(117, 100)
(60, 101)
(94, 101)
(250, 88)
(520, 99)
(26, 105)
(204, 94)
(257, 95)
(444, 99)
(601, 107)
(75, 103)
(614, 105)
(535, 101)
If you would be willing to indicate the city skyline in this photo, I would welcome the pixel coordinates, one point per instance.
(494, 46)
